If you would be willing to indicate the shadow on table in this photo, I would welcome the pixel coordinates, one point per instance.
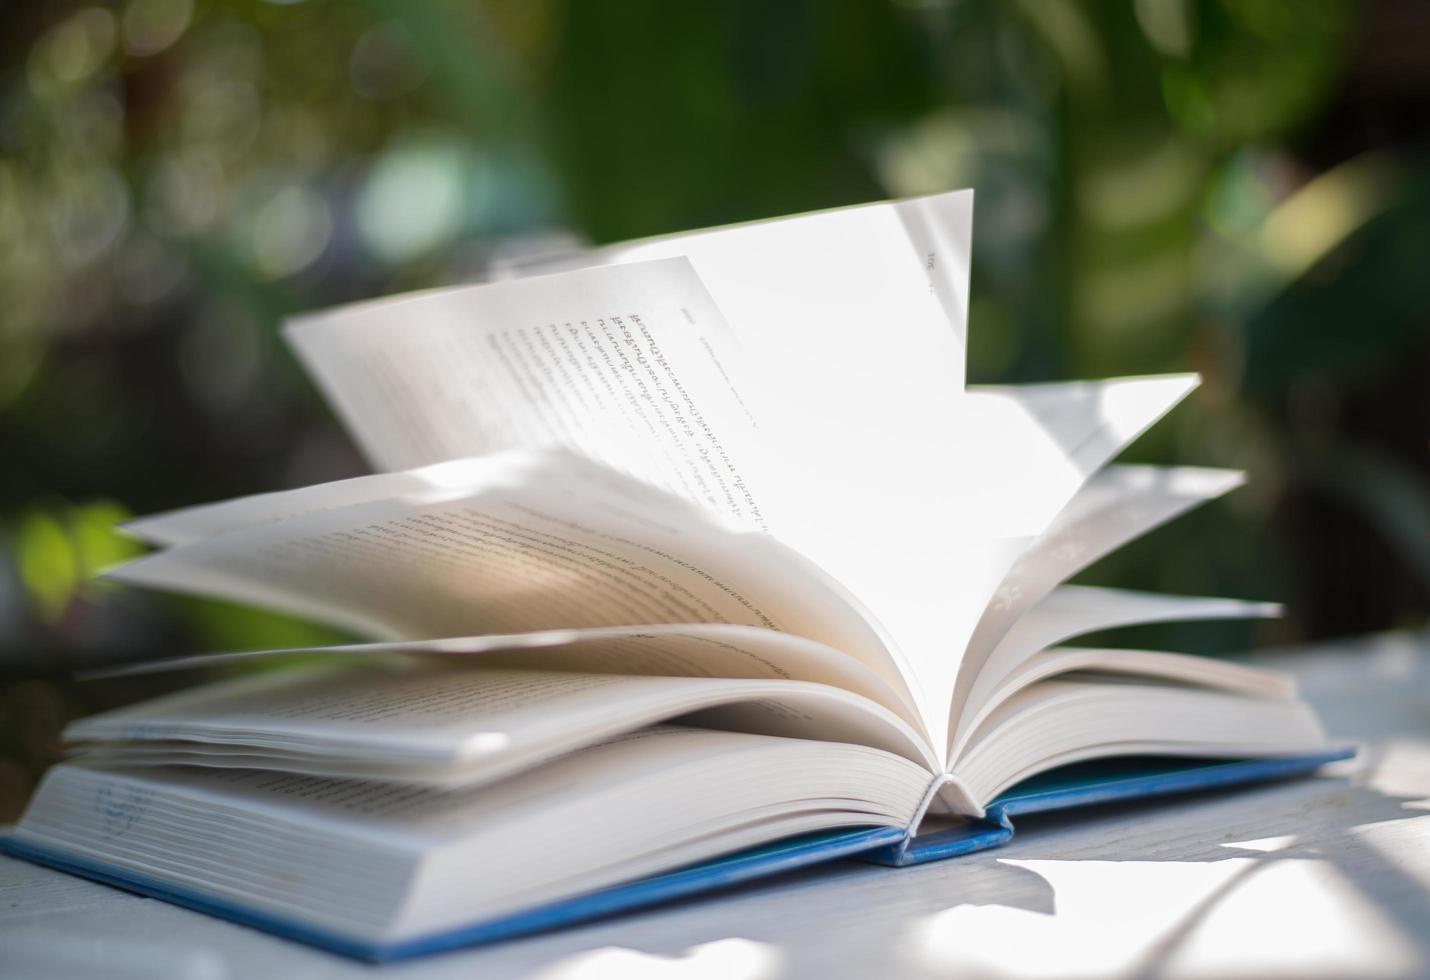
(1334, 830)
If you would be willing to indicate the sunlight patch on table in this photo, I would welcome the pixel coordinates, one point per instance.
(723, 959)
(1239, 915)
(1399, 768)
(1264, 844)
(1400, 849)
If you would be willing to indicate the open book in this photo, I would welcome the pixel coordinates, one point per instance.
(676, 549)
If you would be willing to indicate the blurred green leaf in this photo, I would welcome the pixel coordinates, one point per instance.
(47, 561)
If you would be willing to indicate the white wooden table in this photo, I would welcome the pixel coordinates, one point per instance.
(1322, 877)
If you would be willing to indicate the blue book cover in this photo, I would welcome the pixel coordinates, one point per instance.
(1108, 781)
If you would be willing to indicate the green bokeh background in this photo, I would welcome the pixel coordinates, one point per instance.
(1237, 188)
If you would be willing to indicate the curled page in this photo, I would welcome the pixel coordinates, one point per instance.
(852, 322)
(441, 725)
(188, 524)
(670, 650)
(526, 541)
(1020, 453)
(1030, 448)
(1120, 503)
(1072, 610)
(840, 323)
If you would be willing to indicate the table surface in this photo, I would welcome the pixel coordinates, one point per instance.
(1321, 877)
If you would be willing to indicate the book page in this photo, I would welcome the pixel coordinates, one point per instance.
(1068, 719)
(1072, 610)
(852, 322)
(817, 425)
(680, 650)
(1118, 504)
(1118, 665)
(433, 814)
(1021, 454)
(633, 367)
(1035, 445)
(456, 726)
(187, 524)
(531, 541)
(815, 289)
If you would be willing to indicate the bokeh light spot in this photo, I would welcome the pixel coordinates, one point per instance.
(1168, 25)
(185, 196)
(72, 51)
(91, 216)
(288, 231)
(413, 199)
(150, 26)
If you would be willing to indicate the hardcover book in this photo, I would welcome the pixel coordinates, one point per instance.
(685, 561)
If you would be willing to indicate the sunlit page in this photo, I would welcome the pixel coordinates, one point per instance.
(538, 540)
(851, 328)
(1037, 444)
(853, 323)
(1116, 505)
(1073, 610)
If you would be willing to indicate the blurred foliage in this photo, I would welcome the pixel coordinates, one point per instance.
(1232, 187)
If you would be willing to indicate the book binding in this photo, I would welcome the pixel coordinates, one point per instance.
(1105, 781)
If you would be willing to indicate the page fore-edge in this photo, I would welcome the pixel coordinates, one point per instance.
(783, 855)
(878, 845)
